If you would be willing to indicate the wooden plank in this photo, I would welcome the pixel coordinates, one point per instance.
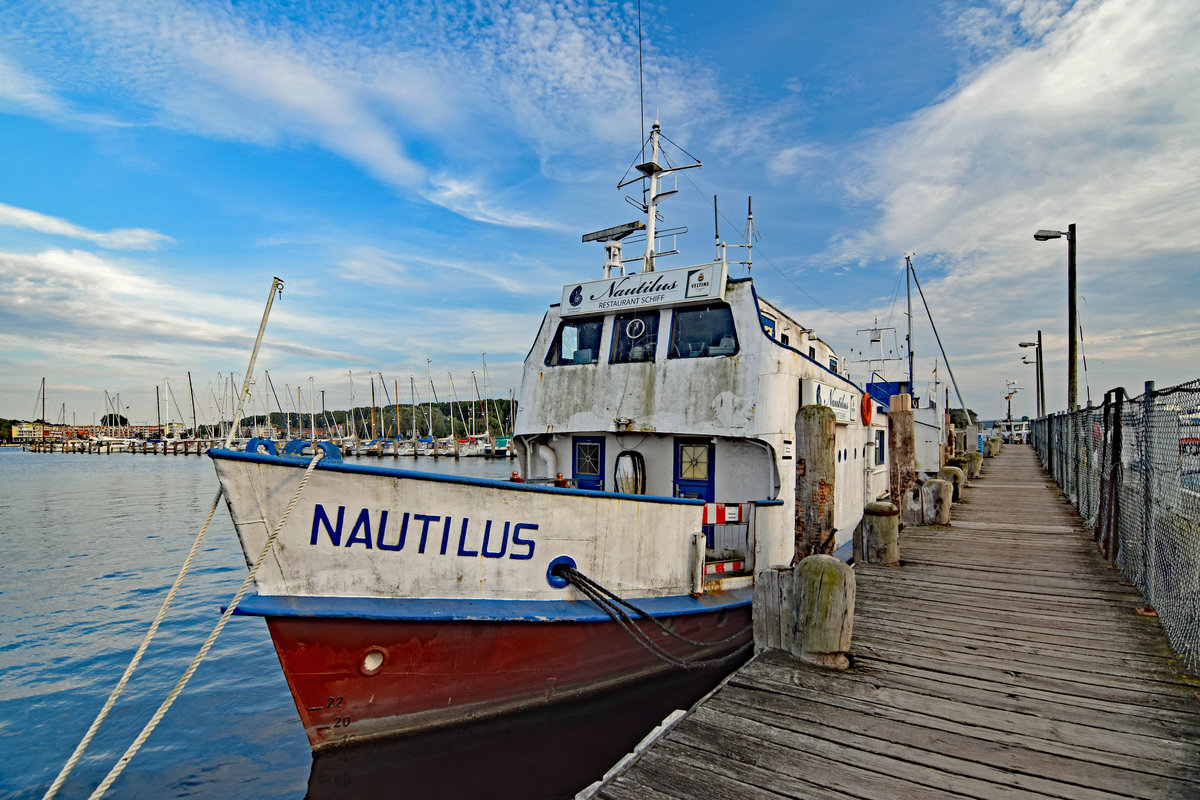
(1086, 743)
(1022, 767)
(1048, 661)
(1080, 710)
(796, 753)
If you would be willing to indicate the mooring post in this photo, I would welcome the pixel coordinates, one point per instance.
(824, 591)
(953, 476)
(937, 496)
(902, 446)
(815, 471)
(773, 609)
(974, 465)
(881, 527)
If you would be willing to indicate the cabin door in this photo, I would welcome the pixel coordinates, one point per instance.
(694, 469)
(587, 462)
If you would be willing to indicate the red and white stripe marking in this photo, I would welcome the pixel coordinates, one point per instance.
(720, 567)
(722, 514)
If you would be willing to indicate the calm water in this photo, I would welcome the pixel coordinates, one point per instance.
(89, 545)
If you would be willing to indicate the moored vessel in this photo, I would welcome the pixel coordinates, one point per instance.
(655, 459)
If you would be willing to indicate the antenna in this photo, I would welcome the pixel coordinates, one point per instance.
(641, 83)
(716, 222)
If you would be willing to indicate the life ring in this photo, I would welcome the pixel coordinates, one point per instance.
(866, 408)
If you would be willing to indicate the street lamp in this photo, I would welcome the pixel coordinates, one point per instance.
(1041, 384)
(1072, 328)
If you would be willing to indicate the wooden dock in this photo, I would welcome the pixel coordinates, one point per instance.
(1002, 659)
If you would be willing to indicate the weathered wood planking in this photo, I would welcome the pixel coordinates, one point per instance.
(1002, 659)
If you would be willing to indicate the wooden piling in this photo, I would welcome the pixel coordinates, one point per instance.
(824, 589)
(881, 527)
(954, 476)
(815, 475)
(937, 497)
(902, 446)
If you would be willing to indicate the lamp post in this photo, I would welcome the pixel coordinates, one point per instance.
(1072, 327)
(1036, 404)
(1040, 396)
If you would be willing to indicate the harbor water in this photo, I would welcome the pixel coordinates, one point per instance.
(89, 546)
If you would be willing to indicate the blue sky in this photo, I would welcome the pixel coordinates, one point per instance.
(420, 174)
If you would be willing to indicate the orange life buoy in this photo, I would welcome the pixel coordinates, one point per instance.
(866, 408)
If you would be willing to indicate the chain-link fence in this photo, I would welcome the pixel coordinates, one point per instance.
(1132, 468)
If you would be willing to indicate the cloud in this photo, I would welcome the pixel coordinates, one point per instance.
(116, 239)
(79, 300)
(26, 91)
(401, 91)
(1096, 121)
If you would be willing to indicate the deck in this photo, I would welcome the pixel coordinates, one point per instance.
(1002, 659)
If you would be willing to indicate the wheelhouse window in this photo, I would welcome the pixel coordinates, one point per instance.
(704, 331)
(577, 342)
(635, 337)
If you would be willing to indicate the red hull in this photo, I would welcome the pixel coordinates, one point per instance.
(355, 679)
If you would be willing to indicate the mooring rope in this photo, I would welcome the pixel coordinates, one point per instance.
(124, 760)
(137, 657)
(611, 605)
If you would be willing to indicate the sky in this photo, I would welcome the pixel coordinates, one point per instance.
(420, 174)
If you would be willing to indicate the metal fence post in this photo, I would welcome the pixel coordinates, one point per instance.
(1147, 408)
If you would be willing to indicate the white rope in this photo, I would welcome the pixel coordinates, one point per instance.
(137, 657)
(124, 760)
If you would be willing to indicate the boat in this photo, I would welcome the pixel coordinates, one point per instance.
(655, 458)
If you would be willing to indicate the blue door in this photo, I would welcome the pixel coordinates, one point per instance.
(694, 475)
(694, 469)
(587, 462)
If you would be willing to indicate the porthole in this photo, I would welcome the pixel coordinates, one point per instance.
(373, 661)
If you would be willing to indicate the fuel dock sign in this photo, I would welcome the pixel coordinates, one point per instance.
(645, 290)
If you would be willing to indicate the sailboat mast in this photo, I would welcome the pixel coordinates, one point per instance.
(396, 390)
(374, 435)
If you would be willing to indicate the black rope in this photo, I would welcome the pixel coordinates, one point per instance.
(611, 604)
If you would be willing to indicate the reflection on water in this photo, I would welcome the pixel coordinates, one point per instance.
(550, 753)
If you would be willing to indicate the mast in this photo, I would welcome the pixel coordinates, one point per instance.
(432, 397)
(908, 297)
(651, 169)
(312, 410)
(374, 434)
(412, 388)
(195, 431)
(454, 399)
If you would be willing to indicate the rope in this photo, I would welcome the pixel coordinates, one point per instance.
(124, 760)
(137, 657)
(610, 603)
